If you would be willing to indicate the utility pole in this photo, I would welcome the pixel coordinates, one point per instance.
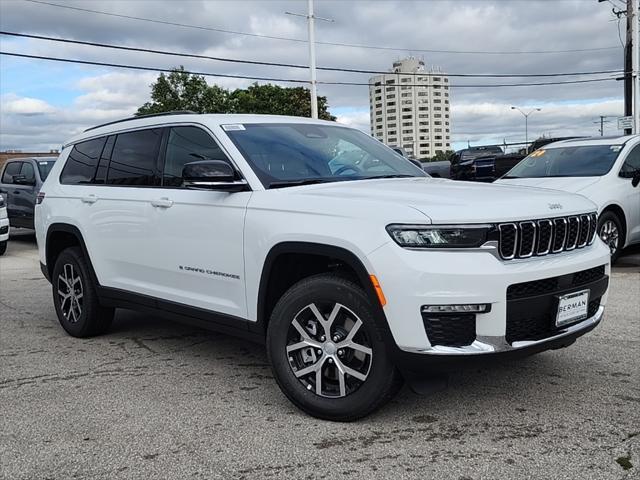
(312, 53)
(526, 123)
(632, 18)
(602, 121)
(631, 52)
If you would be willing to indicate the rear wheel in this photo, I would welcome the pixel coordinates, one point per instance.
(75, 298)
(610, 231)
(325, 351)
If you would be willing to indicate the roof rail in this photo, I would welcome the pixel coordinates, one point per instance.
(173, 112)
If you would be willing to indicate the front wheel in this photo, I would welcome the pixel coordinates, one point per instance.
(610, 231)
(3, 247)
(325, 351)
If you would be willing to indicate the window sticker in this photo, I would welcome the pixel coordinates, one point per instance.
(233, 127)
(615, 148)
(538, 153)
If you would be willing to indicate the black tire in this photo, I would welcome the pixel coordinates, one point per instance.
(81, 317)
(3, 247)
(382, 381)
(606, 219)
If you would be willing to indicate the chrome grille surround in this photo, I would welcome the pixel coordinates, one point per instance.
(530, 238)
(508, 240)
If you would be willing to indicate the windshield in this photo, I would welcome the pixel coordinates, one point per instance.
(581, 161)
(44, 167)
(290, 154)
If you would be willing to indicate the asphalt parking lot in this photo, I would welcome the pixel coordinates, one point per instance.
(153, 399)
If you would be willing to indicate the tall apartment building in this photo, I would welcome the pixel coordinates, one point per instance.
(411, 111)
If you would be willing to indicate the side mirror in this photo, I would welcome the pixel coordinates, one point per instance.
(22, 180)
(634, 175)
(212, 175)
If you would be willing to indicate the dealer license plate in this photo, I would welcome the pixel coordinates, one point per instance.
(572, 307)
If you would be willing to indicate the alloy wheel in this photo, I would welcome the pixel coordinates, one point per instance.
(610, 235)
(70, 293)
(329, 351)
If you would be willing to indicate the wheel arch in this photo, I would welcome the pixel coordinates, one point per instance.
(619, 212)
(266, 300)
(59, 237)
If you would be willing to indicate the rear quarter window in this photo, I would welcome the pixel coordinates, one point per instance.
(82, 162)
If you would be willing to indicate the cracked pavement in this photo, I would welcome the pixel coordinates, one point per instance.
(155, 399)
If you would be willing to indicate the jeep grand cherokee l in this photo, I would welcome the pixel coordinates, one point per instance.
(355, 268)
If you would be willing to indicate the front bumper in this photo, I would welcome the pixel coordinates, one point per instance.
(486, 351)
(411, 279)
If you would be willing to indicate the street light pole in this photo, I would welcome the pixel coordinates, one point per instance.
(312, 53)
(526, 123)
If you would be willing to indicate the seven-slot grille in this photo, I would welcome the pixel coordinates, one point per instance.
(550, 235)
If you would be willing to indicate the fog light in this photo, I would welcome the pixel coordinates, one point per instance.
(467, 308)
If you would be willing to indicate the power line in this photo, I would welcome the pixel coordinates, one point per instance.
(288, 80)
(335, 44)
(150, 69)
(292, 65)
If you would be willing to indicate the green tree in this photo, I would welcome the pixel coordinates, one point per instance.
(180, 90)
(276, 100)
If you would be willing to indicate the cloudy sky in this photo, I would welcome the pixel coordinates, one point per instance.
(43, 102)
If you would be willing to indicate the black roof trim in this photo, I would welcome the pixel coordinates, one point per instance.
(150, 115)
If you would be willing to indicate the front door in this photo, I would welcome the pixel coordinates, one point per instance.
(630, 195)
(197, 245)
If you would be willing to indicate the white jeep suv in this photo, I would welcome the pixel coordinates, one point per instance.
(355, 268)
(606, 170)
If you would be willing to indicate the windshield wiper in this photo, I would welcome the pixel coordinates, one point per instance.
(393, 175)
(509, 176)
(295, 183)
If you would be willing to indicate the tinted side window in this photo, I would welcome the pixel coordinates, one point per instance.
(187, 144)
(28, 172)
(10, 170)
(133, 161)
(82, 162)
(632, 163)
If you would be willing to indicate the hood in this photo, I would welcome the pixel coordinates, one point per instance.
(566, 184)
(448, 201)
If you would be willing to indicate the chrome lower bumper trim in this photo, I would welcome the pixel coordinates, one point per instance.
(484, 344)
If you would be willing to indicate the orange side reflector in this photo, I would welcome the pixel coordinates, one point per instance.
(378, 289)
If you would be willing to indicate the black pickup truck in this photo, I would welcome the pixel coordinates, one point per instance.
(475, 163)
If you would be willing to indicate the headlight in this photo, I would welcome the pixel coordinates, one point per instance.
(439, 236)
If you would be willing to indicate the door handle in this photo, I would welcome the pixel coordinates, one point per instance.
(163, 202)
(16, 192)
(90, 199)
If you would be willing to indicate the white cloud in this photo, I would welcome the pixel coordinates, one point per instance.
(12, 104)
(356, 119)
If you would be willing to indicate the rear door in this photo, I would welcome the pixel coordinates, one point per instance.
(117, 212)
